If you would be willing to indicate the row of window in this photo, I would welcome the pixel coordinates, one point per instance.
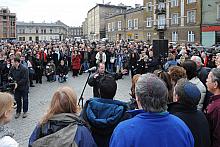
(132, 24)
(42, 31)
(191, 18)
(174, 3)
(175, 37)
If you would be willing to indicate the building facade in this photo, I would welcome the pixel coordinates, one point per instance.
(57, 31)
(127, 26)
(96, 19)
(7, 24)
(175, 20)
(75, 32)
(210, 22)
(85, 28)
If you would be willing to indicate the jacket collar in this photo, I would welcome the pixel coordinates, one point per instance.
(141, 113)
(177, 107)
(215, 97)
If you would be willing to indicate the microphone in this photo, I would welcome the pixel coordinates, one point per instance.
(90, 70)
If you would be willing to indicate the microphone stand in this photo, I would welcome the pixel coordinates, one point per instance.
(81, 96)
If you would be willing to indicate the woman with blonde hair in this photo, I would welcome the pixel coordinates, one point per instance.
(6, 109)
(61, 126)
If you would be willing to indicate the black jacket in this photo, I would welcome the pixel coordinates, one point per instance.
(195, 120)
(62, 70)
(21, 77)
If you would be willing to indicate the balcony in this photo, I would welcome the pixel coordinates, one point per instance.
(160, 11)
(160, 27)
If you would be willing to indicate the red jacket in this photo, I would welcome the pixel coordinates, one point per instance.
(45, 56)
(213, 116)
(76, 62)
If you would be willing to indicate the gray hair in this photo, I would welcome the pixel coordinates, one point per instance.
(152, 93)
(216, 75)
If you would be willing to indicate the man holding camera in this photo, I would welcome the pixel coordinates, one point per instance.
(21, 77)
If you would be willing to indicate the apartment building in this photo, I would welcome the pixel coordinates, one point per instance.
(96, 19)
(175, 20)
(7, 24)
(75, 32)
(210, 22)
(127, 26)
(85, 28)
(57, 31)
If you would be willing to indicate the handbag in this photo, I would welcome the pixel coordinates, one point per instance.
(31, 71)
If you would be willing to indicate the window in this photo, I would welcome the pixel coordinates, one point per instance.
(161, 21)
(191, 1)
(191, 16)
(149, 6)
(218, 11)
(109, 27)
(36, 31)
(135, 23)
(136, 36)
(148, 36)
(174, 3)
(191, 36)
(161, 6)
(4, 17)
(174, 19)
(174, 36)
(129, 24)
(113, 26)
(30, 38)
(149, 22)
(51, 31)
(119, 25)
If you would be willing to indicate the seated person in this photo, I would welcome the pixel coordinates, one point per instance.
(61, 127)
(50, 71)
(6, 111)
(103, 114)
(62, 72)
(186, 98)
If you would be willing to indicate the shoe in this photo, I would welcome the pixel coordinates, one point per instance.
(24, 115)
(17, 115)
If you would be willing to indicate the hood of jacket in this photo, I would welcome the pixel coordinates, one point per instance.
(103, 113)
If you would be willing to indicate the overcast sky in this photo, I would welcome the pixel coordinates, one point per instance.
(70, 12)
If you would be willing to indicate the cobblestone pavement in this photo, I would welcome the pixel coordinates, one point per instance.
(40, 96)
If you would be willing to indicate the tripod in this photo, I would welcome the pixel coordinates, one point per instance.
(81, 96)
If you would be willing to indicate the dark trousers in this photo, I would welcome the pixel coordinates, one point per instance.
(75, 72)
(19, 97)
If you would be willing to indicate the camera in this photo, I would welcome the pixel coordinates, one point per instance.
(9, 86)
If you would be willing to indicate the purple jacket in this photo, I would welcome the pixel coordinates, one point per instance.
(213, 116)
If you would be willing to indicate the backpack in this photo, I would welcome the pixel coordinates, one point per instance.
(61, 138)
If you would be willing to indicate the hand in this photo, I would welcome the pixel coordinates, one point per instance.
(16, 85)
(96, 75)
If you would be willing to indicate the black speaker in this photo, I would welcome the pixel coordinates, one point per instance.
(160, 48)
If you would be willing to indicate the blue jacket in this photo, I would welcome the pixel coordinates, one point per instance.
(103, 115)
(83, 137)
(153, 130)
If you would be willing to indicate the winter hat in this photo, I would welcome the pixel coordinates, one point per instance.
(188, 93)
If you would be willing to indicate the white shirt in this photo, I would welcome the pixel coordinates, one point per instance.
(7, 141)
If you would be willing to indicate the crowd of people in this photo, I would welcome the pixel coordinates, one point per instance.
(175, 100)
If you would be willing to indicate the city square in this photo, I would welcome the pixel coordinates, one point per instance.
(148, 72)
(41, 95)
